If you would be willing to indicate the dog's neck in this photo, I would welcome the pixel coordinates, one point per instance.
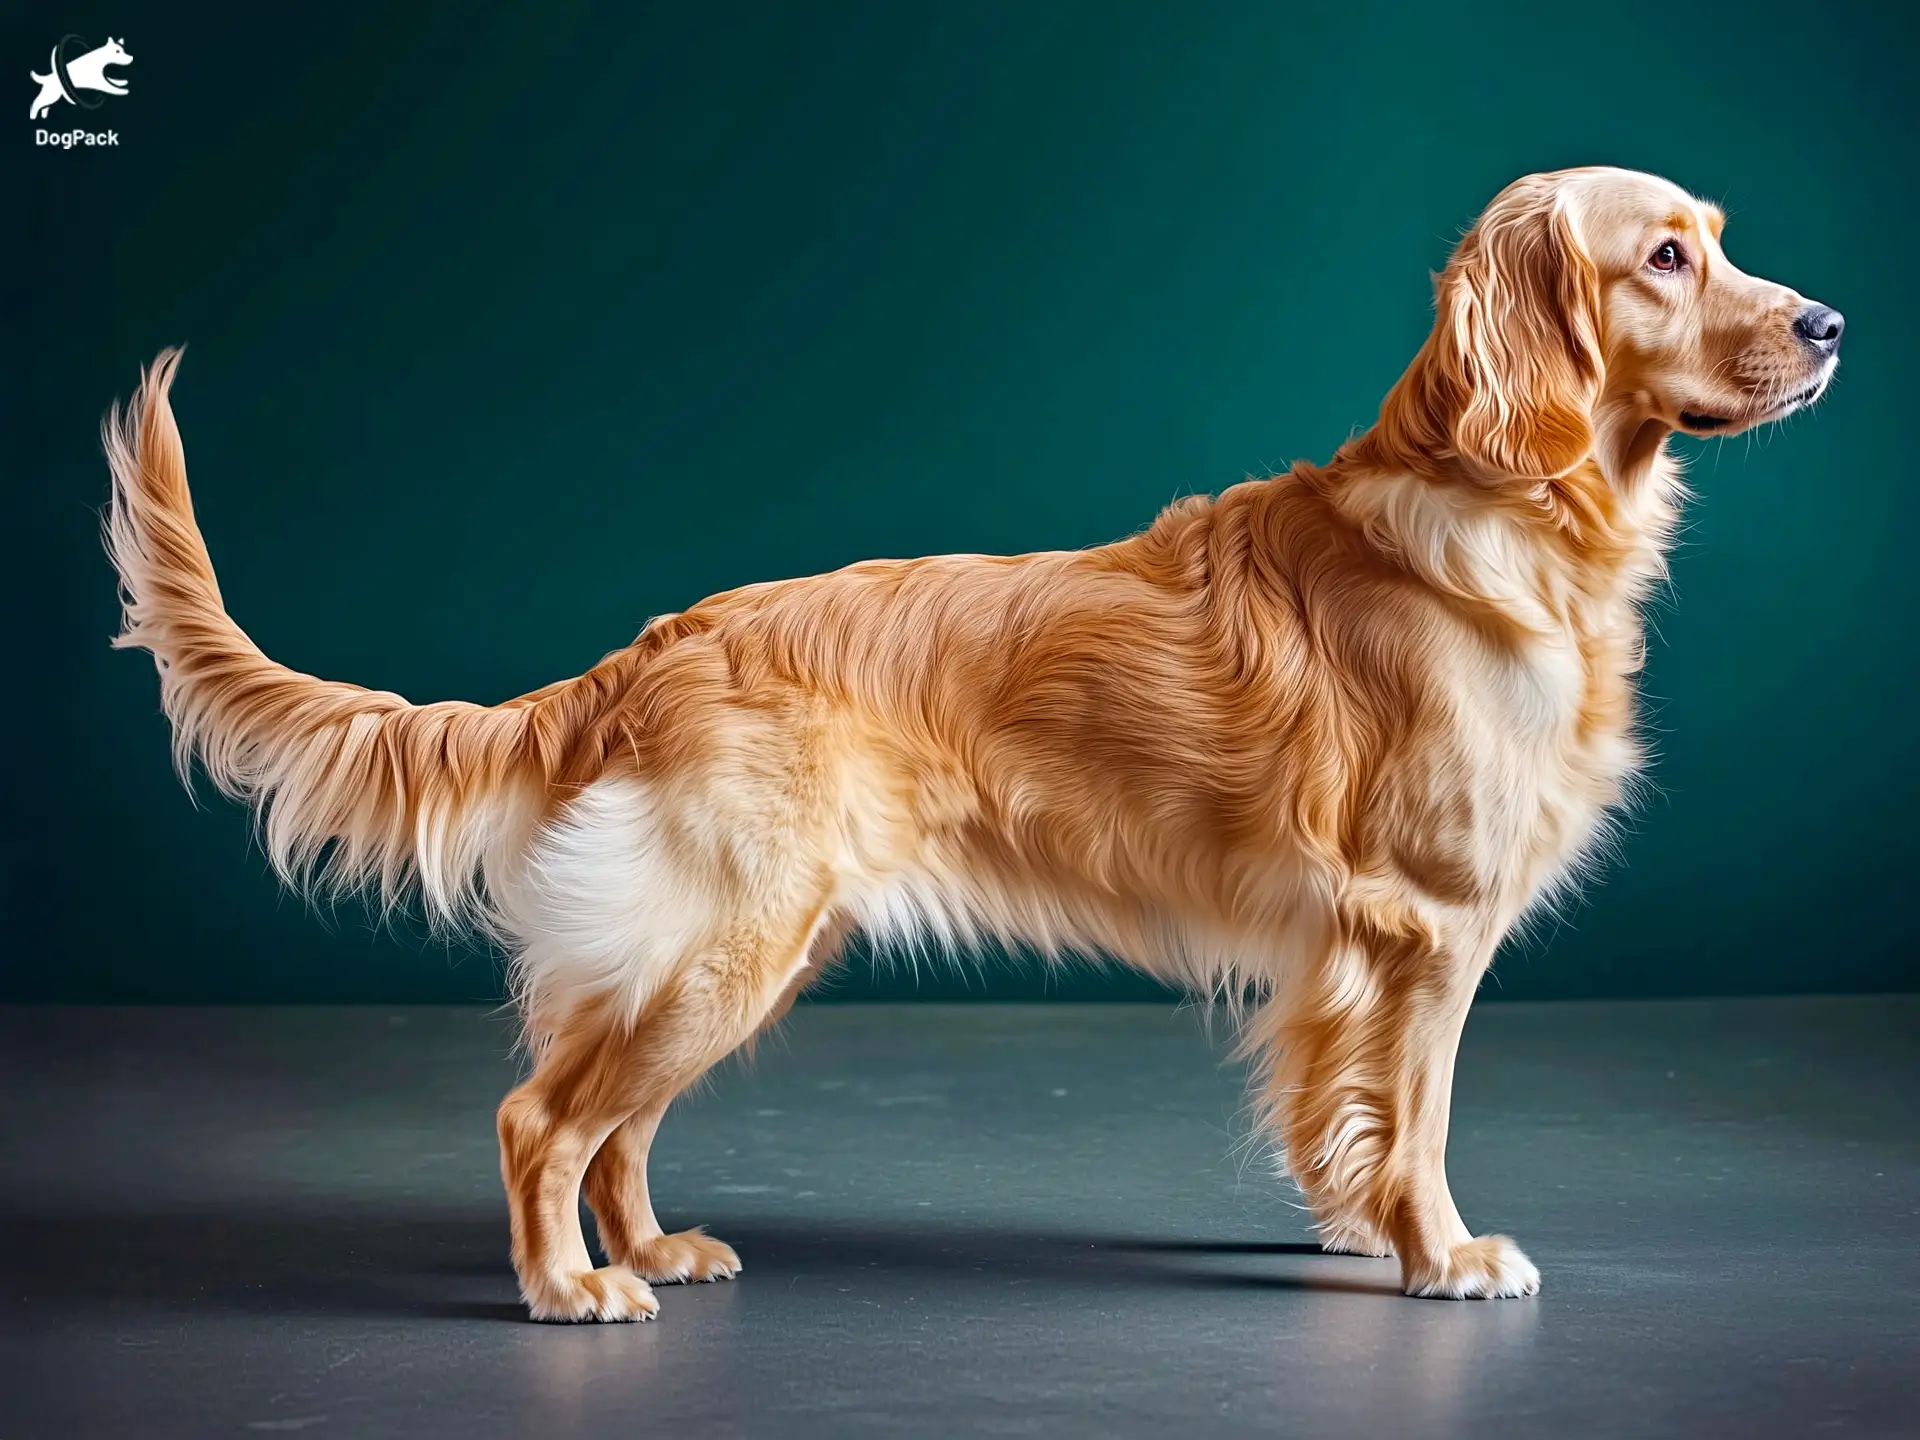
(1578, 550)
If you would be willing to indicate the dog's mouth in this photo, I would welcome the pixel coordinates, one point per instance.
(1702, 422)
(1697, 420)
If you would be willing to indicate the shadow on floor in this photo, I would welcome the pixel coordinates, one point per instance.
(427, 1266)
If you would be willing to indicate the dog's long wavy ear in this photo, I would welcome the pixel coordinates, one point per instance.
(1509, 378)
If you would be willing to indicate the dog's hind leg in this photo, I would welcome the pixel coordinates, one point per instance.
(630, 1233)
(598, 1071)
(616, 1185)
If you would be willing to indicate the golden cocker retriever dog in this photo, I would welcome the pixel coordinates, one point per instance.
(1310, 747)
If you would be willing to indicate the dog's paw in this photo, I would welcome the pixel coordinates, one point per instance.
(683, 1259)
(1490, 1267)
(1340, 1238)
(613, 1292)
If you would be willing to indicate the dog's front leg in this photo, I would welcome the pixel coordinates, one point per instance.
(1359, 1083)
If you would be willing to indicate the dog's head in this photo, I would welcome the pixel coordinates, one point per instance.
(1590, 312)
(111, 54)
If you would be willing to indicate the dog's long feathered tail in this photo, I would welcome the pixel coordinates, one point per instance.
(354, 788)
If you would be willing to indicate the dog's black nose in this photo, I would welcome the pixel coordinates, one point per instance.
(1820, 327)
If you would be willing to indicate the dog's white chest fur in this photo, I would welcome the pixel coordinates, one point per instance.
(1554, 775)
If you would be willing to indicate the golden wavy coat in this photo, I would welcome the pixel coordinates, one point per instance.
(1312, 746)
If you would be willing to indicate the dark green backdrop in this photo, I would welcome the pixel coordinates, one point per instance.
(512, 325)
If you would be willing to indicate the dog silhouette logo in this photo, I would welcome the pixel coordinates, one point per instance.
(79, 79)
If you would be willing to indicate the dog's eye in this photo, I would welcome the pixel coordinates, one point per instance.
(1666, 258)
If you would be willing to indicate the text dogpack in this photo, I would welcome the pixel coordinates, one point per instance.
(68, 139)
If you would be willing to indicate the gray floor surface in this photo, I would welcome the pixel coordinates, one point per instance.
(976, 1220)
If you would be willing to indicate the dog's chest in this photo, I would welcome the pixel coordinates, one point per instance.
(1552, 723)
